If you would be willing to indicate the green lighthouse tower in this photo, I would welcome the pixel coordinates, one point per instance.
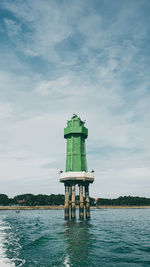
(76, 169)
(76, 133)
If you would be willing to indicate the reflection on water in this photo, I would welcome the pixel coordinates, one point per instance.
(78, 242)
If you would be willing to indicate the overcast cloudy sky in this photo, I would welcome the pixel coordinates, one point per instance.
(86, 57)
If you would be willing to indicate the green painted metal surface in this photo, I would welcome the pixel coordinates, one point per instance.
(76, 133)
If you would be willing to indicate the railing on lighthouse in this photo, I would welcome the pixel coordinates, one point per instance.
(76, 173)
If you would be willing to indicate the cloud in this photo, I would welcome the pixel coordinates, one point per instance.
(12, 27)
(6, 110)
(22, 174)
(59, 85)
(44, 27)
(125, 181)
(71, 57)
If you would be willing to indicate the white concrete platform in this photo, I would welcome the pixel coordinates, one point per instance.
(76, 176)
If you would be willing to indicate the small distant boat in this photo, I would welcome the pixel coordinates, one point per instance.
(17, 211)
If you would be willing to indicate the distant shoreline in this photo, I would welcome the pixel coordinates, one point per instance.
(62, 207)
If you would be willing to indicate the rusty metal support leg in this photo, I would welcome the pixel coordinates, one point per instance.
(73, 203)
(87, 201)
(66, 202)
(81, 204)
(70, 198)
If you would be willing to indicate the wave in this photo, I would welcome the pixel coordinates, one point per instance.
(4, 260)
(67, 261)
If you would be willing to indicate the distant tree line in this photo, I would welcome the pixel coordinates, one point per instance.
(32, 200)
(35, 200)
(124, 201)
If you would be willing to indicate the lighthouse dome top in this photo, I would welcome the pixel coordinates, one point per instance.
(75, 126)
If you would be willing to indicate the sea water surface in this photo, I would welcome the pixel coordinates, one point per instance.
(112, 237)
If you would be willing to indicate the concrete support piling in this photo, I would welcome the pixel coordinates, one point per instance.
(73, 202)
(66, 202)
(81, 202)
(87, 201)
(70, 200)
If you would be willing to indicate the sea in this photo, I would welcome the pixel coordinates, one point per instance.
(42, 238)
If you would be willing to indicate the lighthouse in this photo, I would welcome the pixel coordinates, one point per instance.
(76, 176)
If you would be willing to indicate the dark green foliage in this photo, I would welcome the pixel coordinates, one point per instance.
(92, 201)
(4, 200)
(26, 199)
(35, 200)
(124, 201)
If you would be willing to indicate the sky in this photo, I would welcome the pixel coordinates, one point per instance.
(86, 57)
